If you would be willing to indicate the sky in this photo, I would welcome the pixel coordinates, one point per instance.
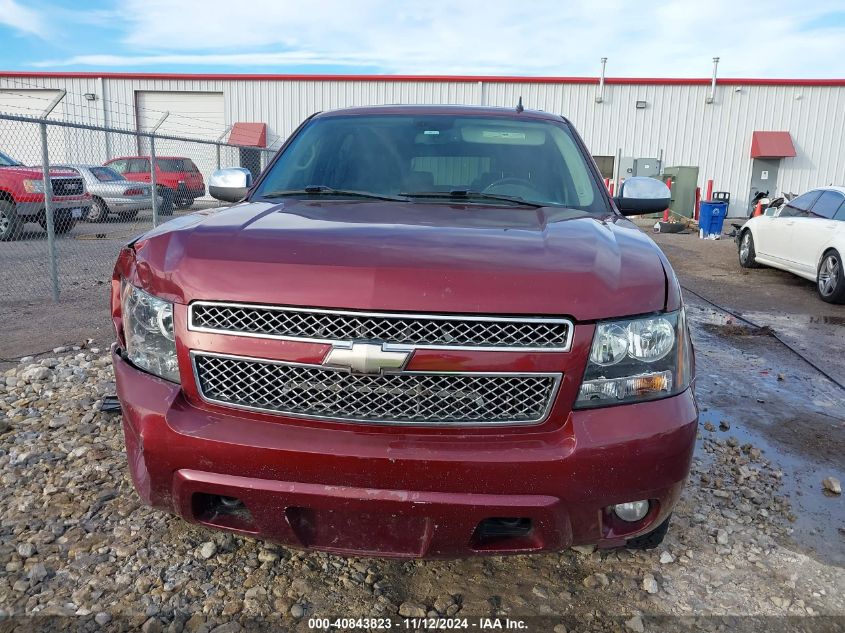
(672, 38)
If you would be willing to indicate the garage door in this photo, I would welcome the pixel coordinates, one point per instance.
(192, 114)
(22, 140)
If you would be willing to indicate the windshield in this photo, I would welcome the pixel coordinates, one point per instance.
(176, 164)
(6, 161)
(105, 174)
(447, 156)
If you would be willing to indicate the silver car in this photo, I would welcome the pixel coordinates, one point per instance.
(111, 193)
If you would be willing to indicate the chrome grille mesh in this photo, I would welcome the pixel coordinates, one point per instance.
(418, 330)
(67, 186)
(408, 397)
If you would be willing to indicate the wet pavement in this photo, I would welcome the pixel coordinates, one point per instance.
(767, 397)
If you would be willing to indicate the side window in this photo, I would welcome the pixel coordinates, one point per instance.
(139, 166)
(840, 215)
(827, 204)
(119, 166)
(800, 205)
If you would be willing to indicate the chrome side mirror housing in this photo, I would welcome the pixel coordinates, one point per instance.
(230, 184)
(640, 195)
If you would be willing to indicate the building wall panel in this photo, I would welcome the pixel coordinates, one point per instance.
(677, 121)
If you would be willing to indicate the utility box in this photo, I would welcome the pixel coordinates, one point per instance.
(649, 167)
(683, 182)
(630, 166)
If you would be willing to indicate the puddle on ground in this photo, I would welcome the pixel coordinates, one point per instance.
(734, 329)
(779, 404)
(819, 515)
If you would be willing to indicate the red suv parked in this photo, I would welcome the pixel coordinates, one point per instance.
(424, 331)
(178, 180)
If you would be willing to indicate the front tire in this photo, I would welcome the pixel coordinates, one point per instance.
(166, 206)
(184, 202)
(98, 211)
(61, 223)
(10, 223)
(747, 254)
(652, 539)
(830, 279)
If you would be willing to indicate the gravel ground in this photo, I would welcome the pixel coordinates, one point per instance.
(77, 550)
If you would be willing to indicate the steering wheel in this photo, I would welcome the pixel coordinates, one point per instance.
(519, 182)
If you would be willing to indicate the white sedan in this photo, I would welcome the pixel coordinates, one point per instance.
(805, 237)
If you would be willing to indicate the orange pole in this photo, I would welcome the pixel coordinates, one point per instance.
(709, 190)
(666, 212)
(758, 210)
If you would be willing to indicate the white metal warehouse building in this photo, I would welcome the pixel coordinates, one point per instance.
(723, 131)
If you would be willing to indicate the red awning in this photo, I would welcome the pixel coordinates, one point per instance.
(771, 145)
(249, 134)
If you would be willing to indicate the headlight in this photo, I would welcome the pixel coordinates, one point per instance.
(34, 186)
(148, 331)
(637, 359)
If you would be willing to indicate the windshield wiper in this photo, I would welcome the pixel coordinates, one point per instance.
(465, 194)
(323, 190)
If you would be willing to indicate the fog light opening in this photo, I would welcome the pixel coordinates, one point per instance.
(222, 511)
(632, 511)
(230, 503)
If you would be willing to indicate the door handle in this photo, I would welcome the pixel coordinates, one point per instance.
(790, 222)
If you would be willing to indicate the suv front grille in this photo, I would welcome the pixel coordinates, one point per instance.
(422, 331)
(392, 398)
(67, 186)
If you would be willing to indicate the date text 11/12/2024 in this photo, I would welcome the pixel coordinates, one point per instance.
(417, 624)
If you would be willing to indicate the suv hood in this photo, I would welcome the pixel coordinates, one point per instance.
(407, 257)
(35, 173)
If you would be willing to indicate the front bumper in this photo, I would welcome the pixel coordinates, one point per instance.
(395, 492)
(33, 209)
(194, 192)
(119, 204)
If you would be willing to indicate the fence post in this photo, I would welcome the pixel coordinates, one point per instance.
(219, 141)
(153, 179)
(48, 212)
(153, 166)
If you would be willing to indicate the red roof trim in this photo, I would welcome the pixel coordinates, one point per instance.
(659, 81)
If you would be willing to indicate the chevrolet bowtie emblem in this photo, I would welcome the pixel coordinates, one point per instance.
(367, 358)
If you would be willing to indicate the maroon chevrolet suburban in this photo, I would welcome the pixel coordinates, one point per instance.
(421, 332)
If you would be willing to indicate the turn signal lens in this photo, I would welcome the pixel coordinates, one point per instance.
(627, 387)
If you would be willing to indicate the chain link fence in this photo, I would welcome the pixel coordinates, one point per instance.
(106, 186)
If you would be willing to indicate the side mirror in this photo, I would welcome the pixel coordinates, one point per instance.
(230, 184)
(640, 195)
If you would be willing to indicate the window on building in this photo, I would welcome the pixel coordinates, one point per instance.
(605, 165)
